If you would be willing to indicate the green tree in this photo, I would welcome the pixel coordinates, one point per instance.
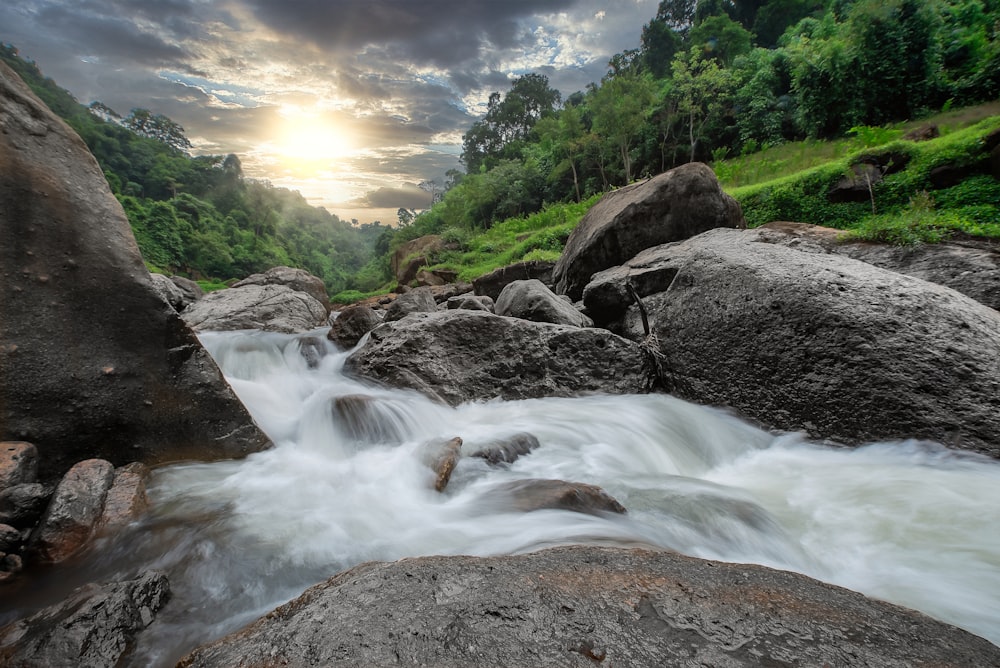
(702, 90)
(721, 38)
(620, 107)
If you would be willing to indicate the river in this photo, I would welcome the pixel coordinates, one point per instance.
(911, 523)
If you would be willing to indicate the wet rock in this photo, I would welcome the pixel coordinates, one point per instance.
(472, 303)
(96, 626)
(312, 349)
(126, 500)
(531, 300)
(492, 284)
(73, 512)
(442, 293)
(171, 294)
(528, 495)
(813, 342)
(22, 505)
(368, 419)
(134, 383)
(18, 463)
(587, 606)
(969, 266)
(273, 308)
(351, 324)
(10, 539)
(506, 450)
(420, 300)
(298, 280)
(675, 205)
(190, 289)
(458, 356)
(441, 456)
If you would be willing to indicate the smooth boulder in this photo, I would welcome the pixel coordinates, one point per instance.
(532, 300)
(272, 308)
(458, 356)
(675, 205)
(819, 343)
(94, 363)
(298, 280)
(492, 284)
(350, 325)
(588, 606)
(420, 300)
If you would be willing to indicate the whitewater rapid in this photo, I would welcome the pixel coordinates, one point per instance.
(910, 523)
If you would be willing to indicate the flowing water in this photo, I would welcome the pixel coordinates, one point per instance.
(911, 523)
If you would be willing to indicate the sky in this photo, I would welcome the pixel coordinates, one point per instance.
(351, 102)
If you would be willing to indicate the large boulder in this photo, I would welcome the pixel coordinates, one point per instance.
(414, 255)
(532, 300)
(461, 355)
(588, 606)
(273, 308)
(675, 205)
(96, 626)
(420, 300)
(969, 266)
(837, 348)
(94, 363)
(298, 280)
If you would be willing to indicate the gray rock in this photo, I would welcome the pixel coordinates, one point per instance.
(492, 284)
(191, 290)
(95, 627)
(22, 505)
(458, 356)
(313, 349)
(18, 463)
(587, 606)
(673, 206)
(298, 280)
(347, 327)
(273, 308)
(505, 450)
(525, 496)
(969, 266)
(531, 300)
(472, 303)
(73, 512)
(169, 291)
(133, 384)
(126, 500)
(825, 344)
(420, 300)
(10, 539)
(367, 419)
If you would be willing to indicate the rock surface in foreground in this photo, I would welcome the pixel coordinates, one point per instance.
(458, 356)
(94, 362)
(821, 343)
(94, 627)
(587, 606)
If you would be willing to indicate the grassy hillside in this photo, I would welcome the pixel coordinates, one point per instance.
(791, 182)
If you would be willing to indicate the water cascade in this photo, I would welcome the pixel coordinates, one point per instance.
(911, 523)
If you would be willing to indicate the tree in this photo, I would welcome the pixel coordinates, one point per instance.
(720, 38)
(660, 43)
(702, 90)
(145, 123)
(509, 120)
(621, 107)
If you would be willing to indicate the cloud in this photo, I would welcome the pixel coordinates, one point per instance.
(400, 77)
(407, 196)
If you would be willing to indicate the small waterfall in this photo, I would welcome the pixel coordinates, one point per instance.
(910, 523)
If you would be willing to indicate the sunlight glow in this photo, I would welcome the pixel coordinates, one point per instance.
(309, 137)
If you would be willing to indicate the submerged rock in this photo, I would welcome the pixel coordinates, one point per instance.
(506, 450)
(95, 364)
(675, 205)
(527, 495)
(837, 348)
(441, 456)
(458, 356)
(587, 606)
(96, 626)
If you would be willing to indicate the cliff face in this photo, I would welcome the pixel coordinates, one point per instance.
(93, 363)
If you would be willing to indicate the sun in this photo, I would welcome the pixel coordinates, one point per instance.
(306, 137)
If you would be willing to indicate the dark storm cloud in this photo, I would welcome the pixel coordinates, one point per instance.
(439, 32)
